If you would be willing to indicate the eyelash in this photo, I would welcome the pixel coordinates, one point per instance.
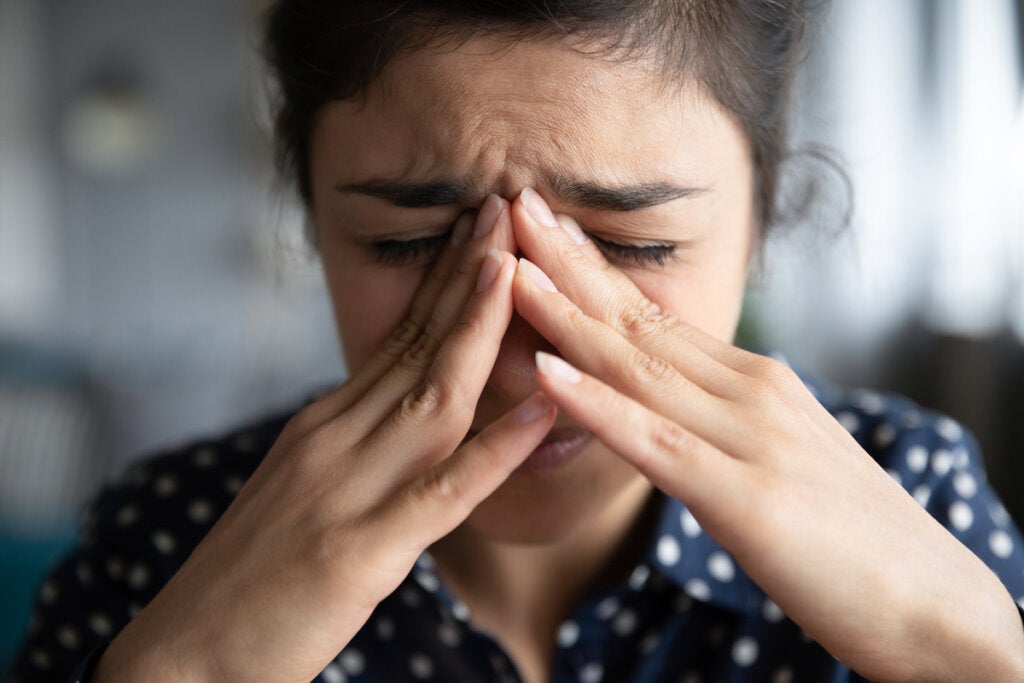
(407, 252)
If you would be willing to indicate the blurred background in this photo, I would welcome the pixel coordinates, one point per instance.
(155, 286)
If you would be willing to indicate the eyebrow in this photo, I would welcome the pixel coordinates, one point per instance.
(582, 193)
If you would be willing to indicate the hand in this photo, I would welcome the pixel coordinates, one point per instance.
(357, 485)
(767, 472)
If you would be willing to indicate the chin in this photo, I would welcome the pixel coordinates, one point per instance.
(553, 506)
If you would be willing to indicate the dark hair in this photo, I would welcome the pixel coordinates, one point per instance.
(744, 52)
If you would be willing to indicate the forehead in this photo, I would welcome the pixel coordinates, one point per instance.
(516, 115)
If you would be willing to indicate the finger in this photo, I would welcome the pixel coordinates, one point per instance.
(672, 457)
(341, 398)
(406, 376)
(584, 275)
(441, 407)
(443, 497)
(603, 352)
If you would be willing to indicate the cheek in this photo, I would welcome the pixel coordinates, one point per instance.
(369, 302)
(707, 296)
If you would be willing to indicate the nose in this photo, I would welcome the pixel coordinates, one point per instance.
(512, 378)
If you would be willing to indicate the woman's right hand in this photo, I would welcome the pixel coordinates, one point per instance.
(357, 485)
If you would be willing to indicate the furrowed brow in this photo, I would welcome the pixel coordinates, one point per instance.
(633, 197)
(413, 195)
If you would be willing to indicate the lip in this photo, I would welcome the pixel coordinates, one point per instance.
(561, 446)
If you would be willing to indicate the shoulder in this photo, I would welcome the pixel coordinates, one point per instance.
(162, 505)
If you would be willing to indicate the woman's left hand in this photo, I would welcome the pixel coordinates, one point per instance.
(766, 471)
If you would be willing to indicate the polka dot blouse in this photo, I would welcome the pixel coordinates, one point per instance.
(686, 614)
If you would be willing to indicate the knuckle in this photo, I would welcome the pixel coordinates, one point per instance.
(440, 490)
(637, 323)
(426, 401)
(404, 336)
(651, 370)
(422, 350)
(668, 439)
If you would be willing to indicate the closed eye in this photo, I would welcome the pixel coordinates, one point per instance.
(420, 251)
(636, 255)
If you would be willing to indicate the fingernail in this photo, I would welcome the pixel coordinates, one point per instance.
(489, 270)
(538, 208)
(533, 409)
(572, 229)
(556, 368)
(460, 232)
(488, 215)
(537, 276)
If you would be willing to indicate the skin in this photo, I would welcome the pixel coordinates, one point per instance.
(449, 394)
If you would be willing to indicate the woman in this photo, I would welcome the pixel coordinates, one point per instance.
(549, 463)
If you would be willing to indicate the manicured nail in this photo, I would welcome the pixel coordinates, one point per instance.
(572, 229)
(556, 368)
(537, 276)
(461, 230)
(538, 208)
(489, 270)
(488, 215)
(533, 409)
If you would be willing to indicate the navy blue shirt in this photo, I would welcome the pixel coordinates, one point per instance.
(687, 613)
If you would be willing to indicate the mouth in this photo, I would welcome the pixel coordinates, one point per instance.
(561, 446)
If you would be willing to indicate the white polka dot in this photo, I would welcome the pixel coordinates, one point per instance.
(385, 628)
(427, 580)
(421, 666)
(460, 611)
(48, 593)
(849, 421)
(138, 576)
(895, 476)
(164, 542)
(783, 674)
(911, 418)
(949, 429)
(942, 462)
(244, 442)
(771, 611)
(204, 457)
(917, 458)
(650, 643)
(233, 484)
(689, 523)
(720, 566)
(332, 674)
(126, 516)
(411, 597)
(1020, 602)
(165, 485)
(40, 659)
(668, 550)
(133, 609)
(68, 637)
(999, 514)
(869, 401)
(352, 661)
(922, 494)
(625, 623)
(568, 633)
(699, 589)
(691, 677)
(744, 651)
(100, 624)
(965, 484)
(591, 673)
(639, 577)
(682, 602)
(448, 634)
(961, 458)
(1000, 543)
(199, 511)
(961, 516)
(607, 608)
(425, 561)
(884, 435)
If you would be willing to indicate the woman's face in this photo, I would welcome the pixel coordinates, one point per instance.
(496, 119)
